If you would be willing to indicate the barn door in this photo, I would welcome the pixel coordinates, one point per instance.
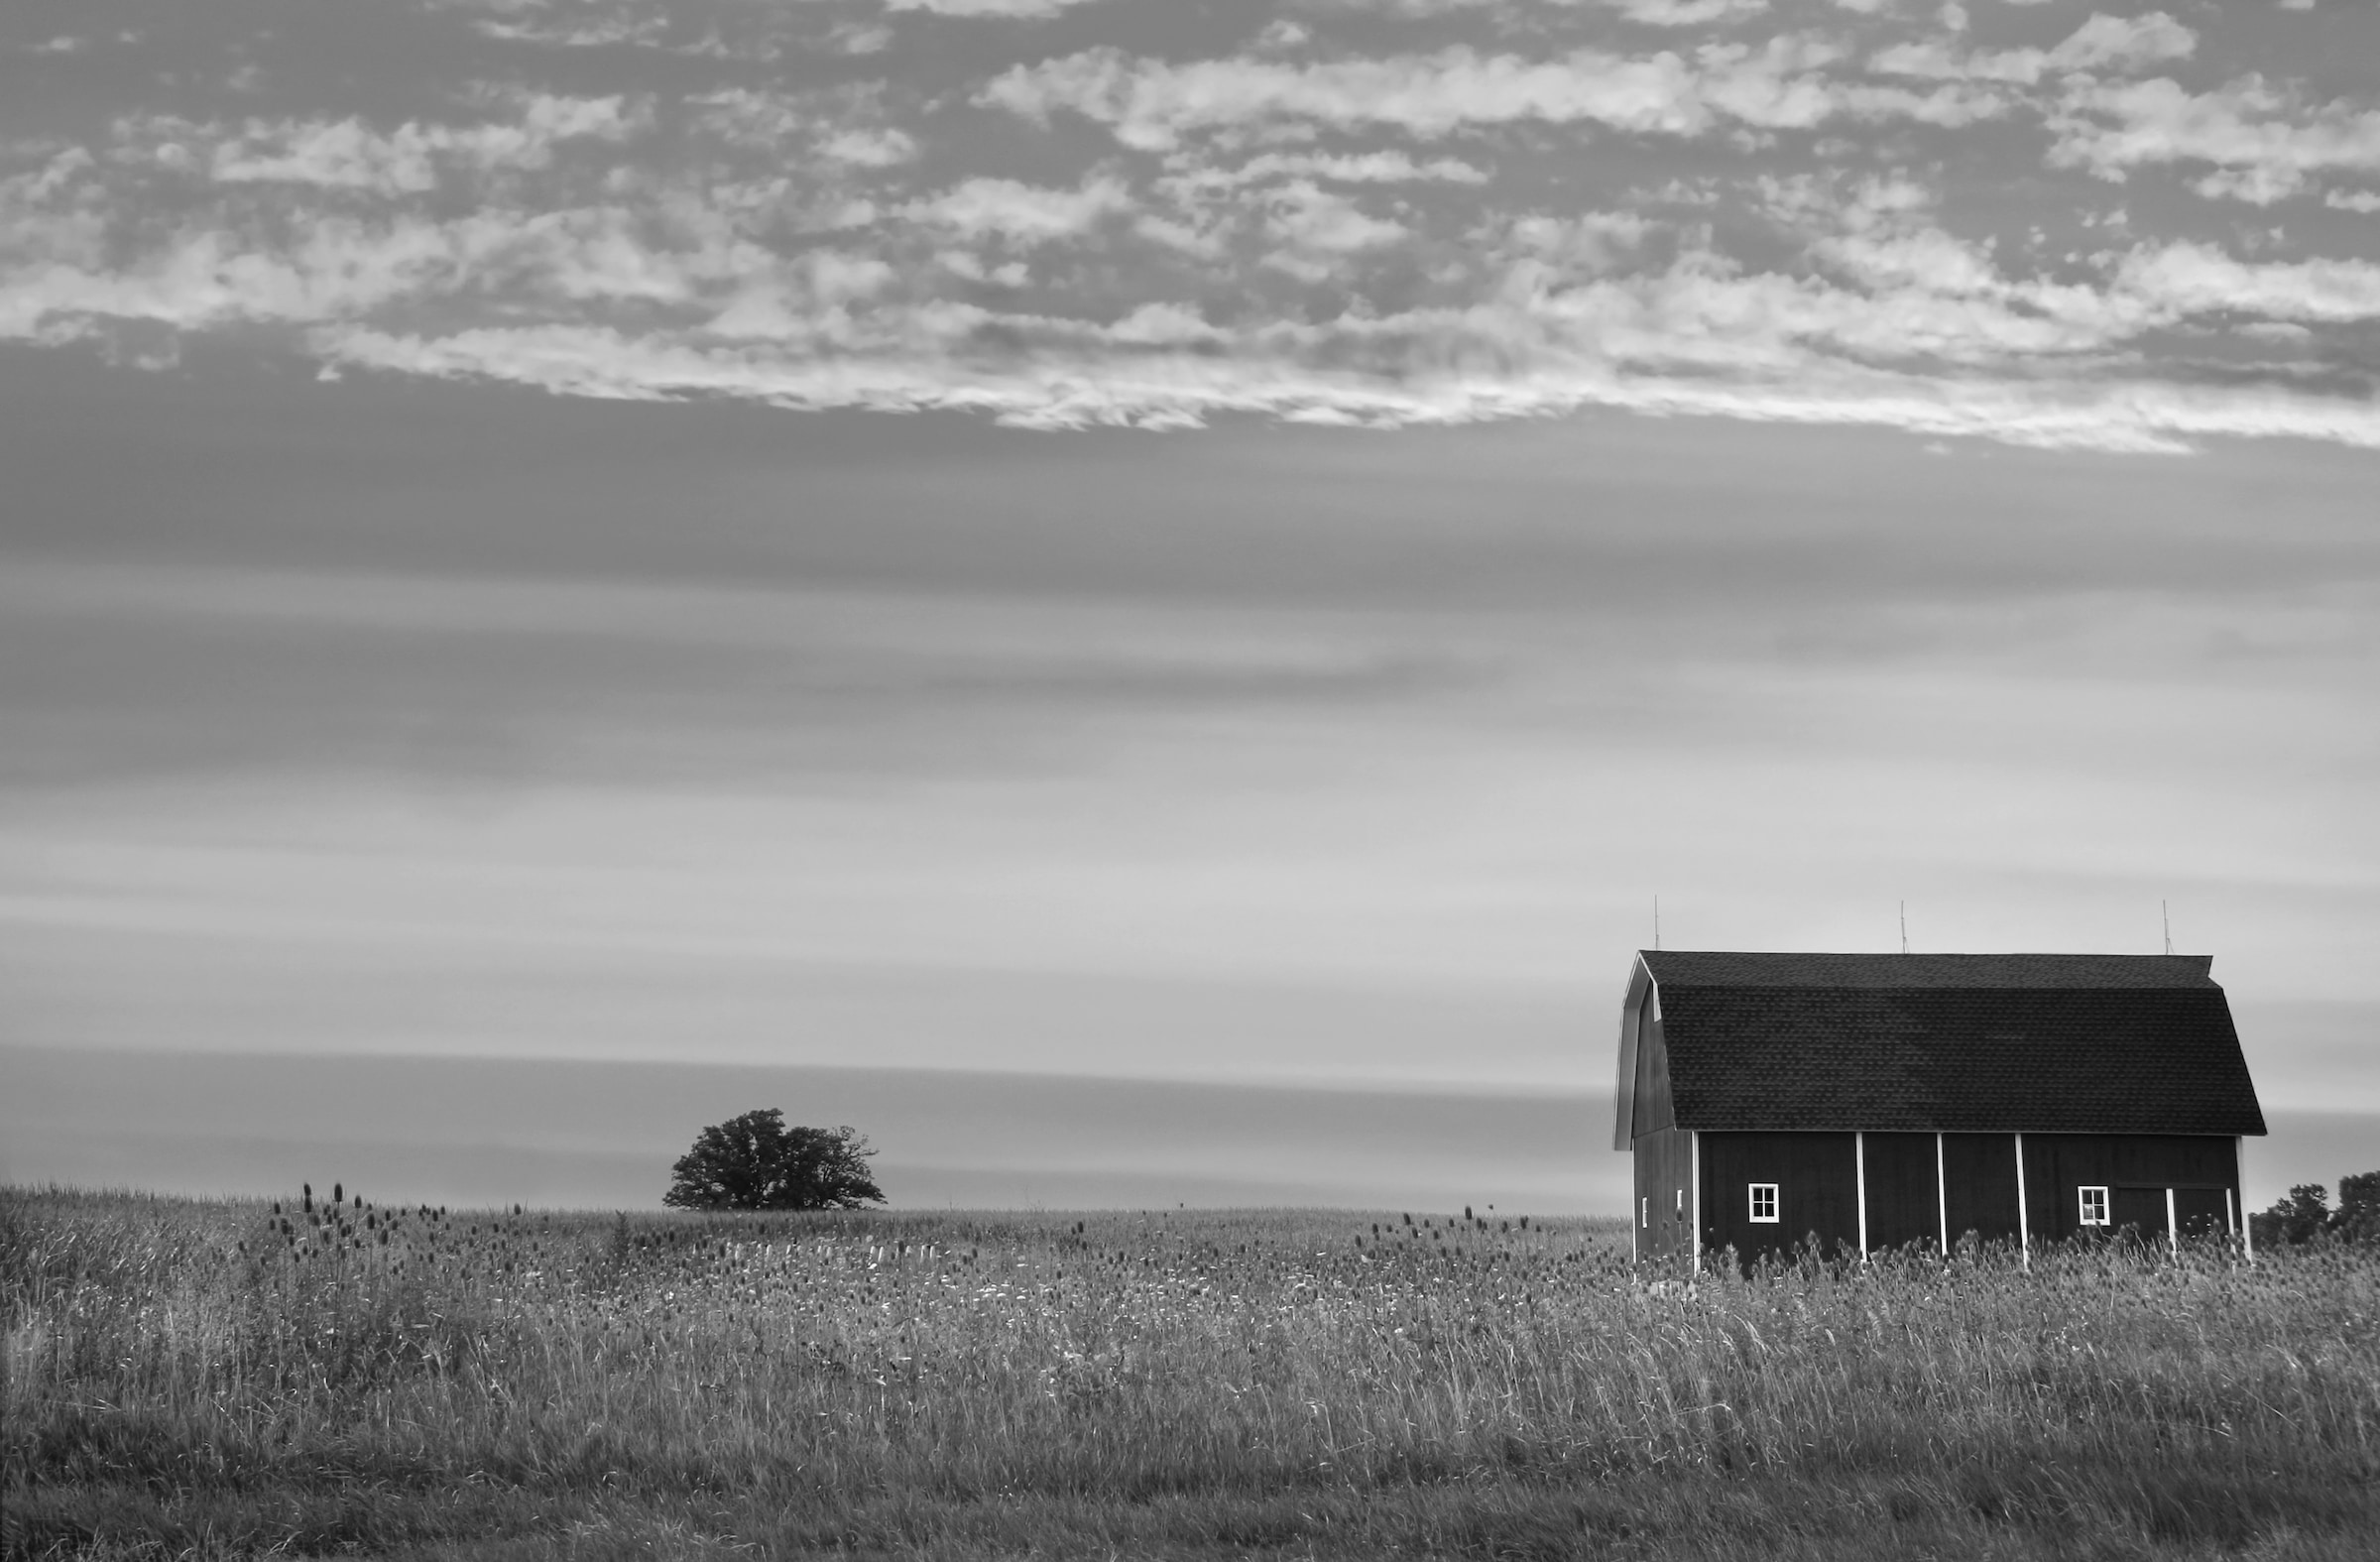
(2202, 1212)
(2140, 1209)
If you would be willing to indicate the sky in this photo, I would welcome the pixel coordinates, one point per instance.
(1140, 598)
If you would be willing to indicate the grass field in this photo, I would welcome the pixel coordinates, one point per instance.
(184, 1379)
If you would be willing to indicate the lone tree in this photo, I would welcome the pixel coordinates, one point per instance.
(756, 1163)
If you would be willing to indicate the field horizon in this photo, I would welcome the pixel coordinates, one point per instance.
(579, 1134)
(602, 1135)
(225, 1378)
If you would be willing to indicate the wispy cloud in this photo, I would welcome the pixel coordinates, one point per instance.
(1688, 13)
(1591, 204)
(1021, 214)
(347, 154)
(1151, 105)
(1018, 9)
(2261, 139)
(2103, 43)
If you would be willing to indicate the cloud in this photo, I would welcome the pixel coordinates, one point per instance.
(2103, 43)
(1004, 208)
(1541, 252)
(349, 155)
(603, 32)
(2263, 142)
(1688, 13)
(1055, 389)
(1566, 326)
(2125, 43)
(1322, 233)
(2198, 279)
(870, 148)
(1354, 168)
(1570, 308)
(1016, 10)
(1314, 225)
(342, 267)
(1151, 105)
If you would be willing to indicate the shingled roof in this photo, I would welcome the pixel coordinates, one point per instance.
(2025, 1043)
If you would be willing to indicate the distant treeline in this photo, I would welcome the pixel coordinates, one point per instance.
(2306, 1216)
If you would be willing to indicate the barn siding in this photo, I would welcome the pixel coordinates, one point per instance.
(1654, 1112)
(1817, 1180)
(1979, 1173)
(1901, 1203)
(2137, 1168)
(1663, 1209)
(2205, 1212)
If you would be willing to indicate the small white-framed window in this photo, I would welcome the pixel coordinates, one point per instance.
(1764, 1202)
(1644, 1213)
(1681, 1201)
(2094, 1206)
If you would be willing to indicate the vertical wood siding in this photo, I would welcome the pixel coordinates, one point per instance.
(2136, 1168)
(2205, 1212)
(2194, 1176)
(1901, 1206)
(1979, 1171)
(1664, 1196)
(1817, 1191)
(1653, 1108)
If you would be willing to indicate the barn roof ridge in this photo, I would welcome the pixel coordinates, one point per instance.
(1750, 969)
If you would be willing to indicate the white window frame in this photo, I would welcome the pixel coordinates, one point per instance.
(1756, 1190)
(1644, 1214)
(2083, 1200)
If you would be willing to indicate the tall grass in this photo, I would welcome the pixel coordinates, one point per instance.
(188, 1377)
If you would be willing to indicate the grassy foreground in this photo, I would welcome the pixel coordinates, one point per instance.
(185, 1379)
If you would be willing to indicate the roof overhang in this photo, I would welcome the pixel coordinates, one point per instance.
(1642, 990)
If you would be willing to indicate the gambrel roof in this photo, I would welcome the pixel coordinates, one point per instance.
(2024, 1042)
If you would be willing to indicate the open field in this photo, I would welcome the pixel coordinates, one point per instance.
(184, 1379)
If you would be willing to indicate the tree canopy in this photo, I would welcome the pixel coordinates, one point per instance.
(756, 1163)
(2307, 1215)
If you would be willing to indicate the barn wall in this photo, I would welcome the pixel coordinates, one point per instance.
(1817, 1187)
(1663, 1209)
(1817, 1177)
(1980, 1175)
(1901, 1203)
(2136, 1168)
(1654, 1111)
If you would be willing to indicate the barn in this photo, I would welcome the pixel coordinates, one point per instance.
(1878, 1102)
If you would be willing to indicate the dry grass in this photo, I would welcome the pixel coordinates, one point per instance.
(183, 1380)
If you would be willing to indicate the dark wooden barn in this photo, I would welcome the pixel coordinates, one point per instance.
(1880, 1101)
